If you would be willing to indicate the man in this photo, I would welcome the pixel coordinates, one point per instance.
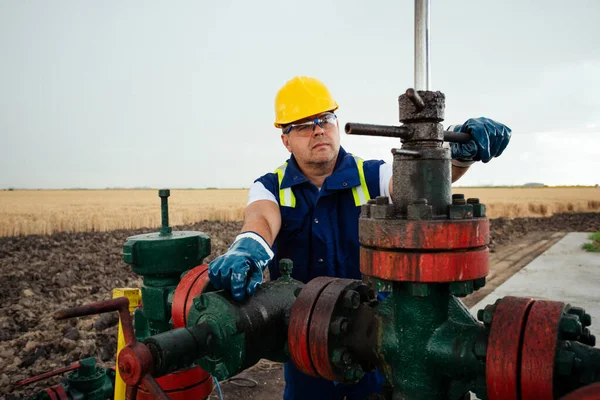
(308, 210)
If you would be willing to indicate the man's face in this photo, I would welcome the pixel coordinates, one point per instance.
(313, 142)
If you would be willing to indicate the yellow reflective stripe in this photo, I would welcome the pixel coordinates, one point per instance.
(286, 196)
(360, 193)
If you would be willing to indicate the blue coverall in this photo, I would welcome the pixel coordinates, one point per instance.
(320, 235)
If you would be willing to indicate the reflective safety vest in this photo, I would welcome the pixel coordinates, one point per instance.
(360, 193)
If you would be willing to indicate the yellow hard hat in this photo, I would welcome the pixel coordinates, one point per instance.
(302, 97)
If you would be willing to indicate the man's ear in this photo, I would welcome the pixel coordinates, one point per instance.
(285, 139)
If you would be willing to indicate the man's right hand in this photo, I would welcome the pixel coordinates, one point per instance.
(240, 269)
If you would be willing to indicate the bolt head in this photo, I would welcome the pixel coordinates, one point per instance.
(339, 326)
(341, 357)
(351, 299)
(487, 314)
(478, 283)
(353, 373)
(381, 200)
(164, 193)
(570, 326)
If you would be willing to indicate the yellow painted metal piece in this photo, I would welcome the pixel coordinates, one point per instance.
(135, 298)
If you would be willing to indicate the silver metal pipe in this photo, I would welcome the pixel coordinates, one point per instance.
(422, 77)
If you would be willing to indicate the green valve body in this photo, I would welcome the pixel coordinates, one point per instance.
(87, 382)
(161, 258)
(426, 345)
(224, 336)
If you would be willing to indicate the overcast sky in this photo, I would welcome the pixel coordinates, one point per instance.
(180, 93)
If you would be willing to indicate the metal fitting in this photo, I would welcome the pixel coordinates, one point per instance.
(459, 199)
(433, 107)
(353, 373)
(585, 318)
(478, 208)
(587, 337)
(487, 314)
(570, 327)
(419, 210)
(285, 268)
(478, 283)
(382, 211)
(460, 211)
(461, 289)
(365, 211)
(339, 326)
(341, 357)
(381, 200)
(200, 303)
(351, 299)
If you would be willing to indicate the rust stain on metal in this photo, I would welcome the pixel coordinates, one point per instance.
(300, 316)
(539, 350)
(449, 266)
(425, 234)
(502, 364)
(319, 328)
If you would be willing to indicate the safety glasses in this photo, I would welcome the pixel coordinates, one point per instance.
(325, 121)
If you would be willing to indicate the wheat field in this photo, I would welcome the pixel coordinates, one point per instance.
(24, 212)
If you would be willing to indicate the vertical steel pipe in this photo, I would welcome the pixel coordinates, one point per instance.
(422, 78)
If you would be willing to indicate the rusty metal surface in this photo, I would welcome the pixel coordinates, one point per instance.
(154, 389)
(190, 286)
(425, 267)
(57, 392)
(424, 234)
(135, 361)
(300, 316)
(433, 111)
(353, 128)
(321, 319)
(427, 177)
(48, 374)
(504, 348)
(539, 350)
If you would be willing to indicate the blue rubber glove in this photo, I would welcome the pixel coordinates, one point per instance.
(245, 260)
(490, 138)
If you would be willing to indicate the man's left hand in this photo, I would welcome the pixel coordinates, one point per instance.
(490, 138)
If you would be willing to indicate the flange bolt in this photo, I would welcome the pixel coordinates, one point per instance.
(570, 327)
(339, 326)
(585, 318)
(458, 199)
(341, 357)
(487, 314)
(351, 299)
